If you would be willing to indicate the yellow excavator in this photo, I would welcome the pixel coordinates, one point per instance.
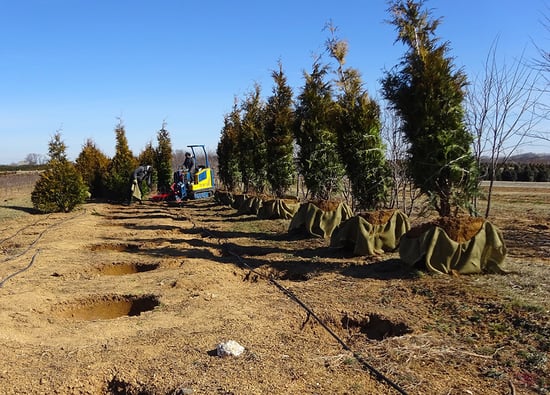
(196, 182)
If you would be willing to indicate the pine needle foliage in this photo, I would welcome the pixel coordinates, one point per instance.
(358, 131)
(92, 165)
(60, 187)
(279, 120)
(318, 158)
(227, 150)
(427, 92)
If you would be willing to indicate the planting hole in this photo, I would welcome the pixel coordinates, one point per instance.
(374, 326)
(121, 269)
(107, 307)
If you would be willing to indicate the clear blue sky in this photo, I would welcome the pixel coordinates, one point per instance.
(78, 65)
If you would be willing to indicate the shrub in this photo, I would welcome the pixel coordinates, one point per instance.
(59, 189)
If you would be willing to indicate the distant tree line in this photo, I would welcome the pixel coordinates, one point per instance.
(512, 171)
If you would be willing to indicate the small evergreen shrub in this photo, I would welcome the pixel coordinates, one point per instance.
(59, 189)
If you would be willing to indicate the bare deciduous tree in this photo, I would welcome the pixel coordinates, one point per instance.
(542, 64)
(403, 194)
(35, 159)
(501, 111)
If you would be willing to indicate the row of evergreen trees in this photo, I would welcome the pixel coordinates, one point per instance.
(530, 172)
(64, 184)
(332, 129)
(336, 126)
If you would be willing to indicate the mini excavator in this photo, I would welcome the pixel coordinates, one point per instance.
(195, 184)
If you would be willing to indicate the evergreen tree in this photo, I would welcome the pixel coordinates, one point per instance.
(428, 93)
(252, 144)
(57, 150)
(92, 165)
(121, 167)
(148, 155)
(163, 163)
(60, 187)
(318, 158)
(278, 135)
(358, 131)
(227, 150)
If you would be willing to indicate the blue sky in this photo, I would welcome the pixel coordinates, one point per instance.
(78, 66)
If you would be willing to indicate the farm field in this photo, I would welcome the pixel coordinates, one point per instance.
(113, 299)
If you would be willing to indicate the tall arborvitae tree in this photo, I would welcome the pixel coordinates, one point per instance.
(121, 167)
(227, 150)
(163, 163)
(428, 93)
(279, 119)
(60, 187)
(358, 130)
(318, 159)
(252, 144)
(92, 165)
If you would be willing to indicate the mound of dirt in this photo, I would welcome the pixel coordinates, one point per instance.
(459, 229)
(378, 217)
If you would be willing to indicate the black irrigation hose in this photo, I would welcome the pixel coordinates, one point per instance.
(379, 375)
(22, 270)
(20, 230)
(31, 245)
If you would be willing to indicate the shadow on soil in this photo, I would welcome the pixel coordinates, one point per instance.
(29, 210)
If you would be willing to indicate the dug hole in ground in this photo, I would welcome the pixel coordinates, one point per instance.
(112, 299)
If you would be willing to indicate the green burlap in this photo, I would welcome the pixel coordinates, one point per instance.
(278, 209)
(136, 192)
(367, 239)
(223, 197)
(311, 219)
(250, 205)
(484, 253)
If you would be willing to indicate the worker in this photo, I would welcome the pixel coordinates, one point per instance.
(189, 163)
(189, 166)
(143, 172)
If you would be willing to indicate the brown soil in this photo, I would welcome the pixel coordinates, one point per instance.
(327, 205)
(379, 217)
(114, 299)
(459, 229)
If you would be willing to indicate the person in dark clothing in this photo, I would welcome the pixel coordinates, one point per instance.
(189, 163)
(189, 166)
(143, 172)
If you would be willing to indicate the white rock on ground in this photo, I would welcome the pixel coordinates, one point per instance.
(229, 348)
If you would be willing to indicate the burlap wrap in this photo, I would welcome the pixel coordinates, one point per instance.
(364, 238)
(312, 220)
(484, 253)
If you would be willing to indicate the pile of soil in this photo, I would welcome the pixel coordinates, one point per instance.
(459, 229)
(327, 205)
(378, 217)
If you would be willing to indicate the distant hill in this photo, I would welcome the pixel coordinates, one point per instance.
(528, 157)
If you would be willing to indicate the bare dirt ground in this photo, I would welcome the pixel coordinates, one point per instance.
(111, 299)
